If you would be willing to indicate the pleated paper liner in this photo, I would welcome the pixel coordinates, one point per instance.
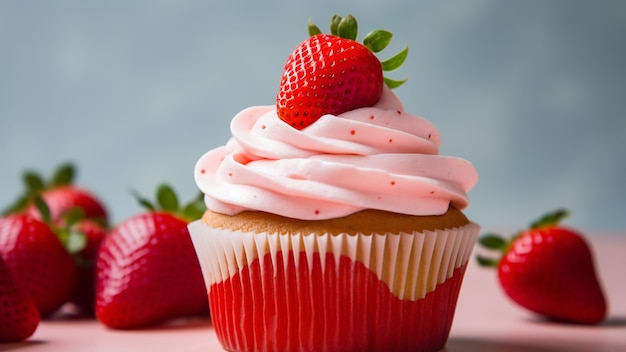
(312, 292)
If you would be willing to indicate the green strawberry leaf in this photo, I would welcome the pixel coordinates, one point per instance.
(392, 83)
(64, 175)
(33, 182)
(496, 242)
(194, 209)
(43, 209)
(334, 24)
(550, 219)
(348, 27)
(377, 40)
(395, 61)
(167, 201)
(313, 29)
(167, 198)
(486, 262)
(493, 241)
(19, 205)
(143, 201)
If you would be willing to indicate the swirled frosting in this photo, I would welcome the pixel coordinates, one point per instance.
(375, 157)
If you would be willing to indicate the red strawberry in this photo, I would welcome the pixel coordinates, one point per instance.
(147, 271)
(549, 270)
(85, 291)
(38, 261)
(60, 196)
(332, 74)
(19, 316)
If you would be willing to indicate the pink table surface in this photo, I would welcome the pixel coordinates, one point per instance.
(485, 321)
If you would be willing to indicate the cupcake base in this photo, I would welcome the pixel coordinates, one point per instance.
(293, 288)
(275, 307)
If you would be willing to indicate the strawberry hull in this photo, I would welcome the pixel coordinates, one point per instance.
(275, 307)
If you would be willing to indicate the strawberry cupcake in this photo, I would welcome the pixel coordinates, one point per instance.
(333, 222)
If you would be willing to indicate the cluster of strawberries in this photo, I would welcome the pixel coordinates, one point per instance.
(55, 246)
(57, 250)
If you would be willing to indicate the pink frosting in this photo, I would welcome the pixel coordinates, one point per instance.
(369, 158)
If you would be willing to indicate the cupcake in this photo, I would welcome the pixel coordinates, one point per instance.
(332, 222)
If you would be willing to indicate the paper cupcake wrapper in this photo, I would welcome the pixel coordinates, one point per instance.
(332, 292)
(411, 264)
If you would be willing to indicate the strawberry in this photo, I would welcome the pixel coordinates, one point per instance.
(38, 260)
(83, 296)
(71, 210)
(19, 316)
(64, 197)
(549, 270)
(147, 271)
(332, 74)
(60, 195)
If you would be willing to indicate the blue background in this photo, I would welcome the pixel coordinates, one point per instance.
(133, 92)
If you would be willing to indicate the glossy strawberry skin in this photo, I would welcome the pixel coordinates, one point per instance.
(327, 74)
(40, 264)
(148, 273)
(550, 271)
(19, 316)
(64, 197)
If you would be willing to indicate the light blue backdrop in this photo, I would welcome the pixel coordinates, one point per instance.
(532, 92)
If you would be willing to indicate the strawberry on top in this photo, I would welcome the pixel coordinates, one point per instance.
(332, 74)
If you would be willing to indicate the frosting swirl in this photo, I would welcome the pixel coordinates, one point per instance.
(376, 157)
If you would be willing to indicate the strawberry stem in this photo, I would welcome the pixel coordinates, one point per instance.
(495, 242)
(167, 201)
(35, 184)
(376, 41)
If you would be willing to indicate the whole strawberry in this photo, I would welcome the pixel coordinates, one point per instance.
(147, 271)
(549, 270)
(60, 195)
(38, 260)
(19, 316)
(332, 74)
(84, 293)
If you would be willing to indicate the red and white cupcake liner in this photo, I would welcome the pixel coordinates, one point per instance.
(326, 292)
